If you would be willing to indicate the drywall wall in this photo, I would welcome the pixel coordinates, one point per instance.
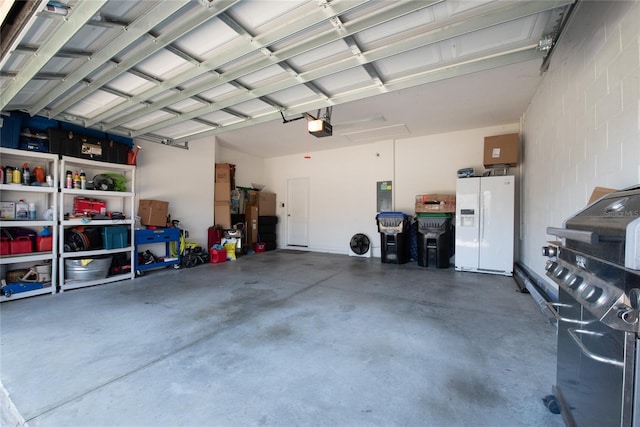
(184, 178)
(343, 181)
(250, 168)
(342, 192)
(582, 128)
(429, 164)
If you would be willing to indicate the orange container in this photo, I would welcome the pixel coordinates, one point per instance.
(44, 243)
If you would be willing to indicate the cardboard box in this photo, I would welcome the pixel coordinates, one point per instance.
(222, 191)
(7, 210)
(266, 203)
(222, 214)
(225, 172)
(501, 150)
(251, 218)
(153, 212)
(598, 192)
(439, 203)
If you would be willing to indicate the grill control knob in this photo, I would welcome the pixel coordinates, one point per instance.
(592, 293)
(551, 266)
(574, 281)
(549, 251)
(628, 315)
(560, 272)
(634, 298)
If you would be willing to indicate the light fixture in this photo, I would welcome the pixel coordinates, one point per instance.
(319, 128)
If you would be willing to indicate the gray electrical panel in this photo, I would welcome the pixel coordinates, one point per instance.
(384, 196)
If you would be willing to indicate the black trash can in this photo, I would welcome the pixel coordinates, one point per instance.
(394, 232)
(434, 239)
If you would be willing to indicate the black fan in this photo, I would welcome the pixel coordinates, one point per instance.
(360, 244)
(103, 182)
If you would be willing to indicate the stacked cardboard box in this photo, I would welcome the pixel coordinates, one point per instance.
(266, 202)
(436, 203)
(153, 212)
(224, 184)
(501, 150)
(258, 203)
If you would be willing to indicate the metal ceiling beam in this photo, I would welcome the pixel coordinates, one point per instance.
(399, 9)
(424, 77)
(160, 42)
(137, 29)
(81, 13)
(62, 53)
(445, 30)
(11, 34)
(260, 41)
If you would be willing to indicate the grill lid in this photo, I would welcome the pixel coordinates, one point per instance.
(608, 229)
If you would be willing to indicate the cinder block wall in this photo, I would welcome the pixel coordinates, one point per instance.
(581, 129)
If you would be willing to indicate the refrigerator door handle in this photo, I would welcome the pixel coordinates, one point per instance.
(483, 216)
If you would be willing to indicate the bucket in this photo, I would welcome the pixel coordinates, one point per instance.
(87, 268)
(259, 247)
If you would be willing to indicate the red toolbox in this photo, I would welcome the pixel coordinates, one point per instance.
(21, 245)
(89, 206)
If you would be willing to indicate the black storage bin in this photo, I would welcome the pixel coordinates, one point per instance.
(92, 148)
(267, 220)
(64, 142)
(394, 233)
(434, 239)
(116, 152)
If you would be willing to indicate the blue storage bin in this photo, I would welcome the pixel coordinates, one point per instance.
(10, 131)
(115, 237)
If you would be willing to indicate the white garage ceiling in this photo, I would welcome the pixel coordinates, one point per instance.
(176, 71)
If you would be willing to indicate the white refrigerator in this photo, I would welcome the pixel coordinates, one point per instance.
(485, 224)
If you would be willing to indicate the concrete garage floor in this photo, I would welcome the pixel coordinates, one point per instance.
(281, 338)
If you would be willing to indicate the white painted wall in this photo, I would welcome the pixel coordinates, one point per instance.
(343, 181)
(249, 169)
(582, 127)
(429, 164)
(184, 178)
(342, 192)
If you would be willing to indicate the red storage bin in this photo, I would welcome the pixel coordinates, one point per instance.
(217, 255)
(5, 248)
(21, 245)
(259, 247)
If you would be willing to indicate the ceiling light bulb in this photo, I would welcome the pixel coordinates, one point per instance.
(314, 125)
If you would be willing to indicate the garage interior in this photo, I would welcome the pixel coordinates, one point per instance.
(307, 334)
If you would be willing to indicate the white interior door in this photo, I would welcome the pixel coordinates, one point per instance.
(298, 212)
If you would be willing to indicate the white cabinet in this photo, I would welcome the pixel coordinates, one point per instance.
(20, 254)
(92, 222)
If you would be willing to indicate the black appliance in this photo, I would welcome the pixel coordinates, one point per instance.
(597, 269)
